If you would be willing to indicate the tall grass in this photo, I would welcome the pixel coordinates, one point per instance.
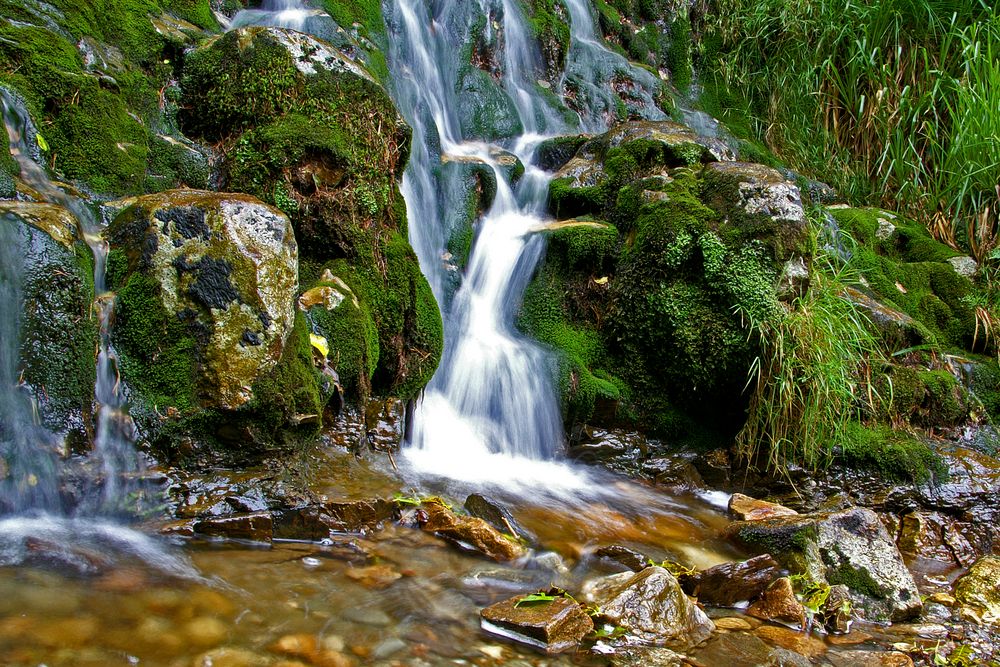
(812, 380)
(893, 101)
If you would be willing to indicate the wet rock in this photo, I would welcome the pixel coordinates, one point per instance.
(316, 522)
(836, 611)
(223, 265)
(933, 536)
(628, 558)
(778, 603)
(646, 657)
(47, 554)
(495, 514)
(732, 623)
(731, 583)
(898, 329)
(848, 547)
(746, 508)
(554, 626)
(870, 659)
(677, 472)
(257, 526)
(384, 420)
(650, 605)
(738, 649)
(553, 153)
(468, 532)
(793, 640)
(52, 268)
(205, 631)
(979, 588)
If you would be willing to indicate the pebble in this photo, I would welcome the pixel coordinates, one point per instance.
(388, 647)
(206, 631)
(368, 616)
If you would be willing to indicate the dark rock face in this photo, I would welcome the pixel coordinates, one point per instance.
(730, 583)
(316, 521)
(494, 514)
(849, 547)
(257, 527)
(628, 558)
(651, 605)
(554, 626)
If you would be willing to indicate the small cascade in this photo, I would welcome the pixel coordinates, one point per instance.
(596, 76)
(28, 445)
(279, 13)
(490, 415)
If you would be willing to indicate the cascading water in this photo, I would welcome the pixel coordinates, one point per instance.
(593, 72)
(490, 415)
(115, 431)
(282, 13)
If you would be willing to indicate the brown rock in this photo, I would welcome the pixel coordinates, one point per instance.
(256, 526)
(554, 626)
(850, 639)
(297, 646)
(469, 531)
(376, 576)
(727, 584)
(732, 623)
(746, 508)
(797, 642)
(316, 522)
(870, 659)
(778, 603)
(628, 558)
(837, 609)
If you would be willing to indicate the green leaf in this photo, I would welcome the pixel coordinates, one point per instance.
(534, 599)
(44, 145)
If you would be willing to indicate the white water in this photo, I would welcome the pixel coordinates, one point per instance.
(490, 415)
(38, 524)
(280, 13)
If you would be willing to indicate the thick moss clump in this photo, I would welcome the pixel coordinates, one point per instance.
(908, 270)
(96, 115)
(549, 21)
(892, 454)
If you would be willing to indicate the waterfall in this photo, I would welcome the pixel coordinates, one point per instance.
(491, 414)
(281, 13)
(593, 71)
(26, 444)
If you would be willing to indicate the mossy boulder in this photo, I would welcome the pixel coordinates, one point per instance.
(979, 589)
(96, 77)
(58, 333)
(220, 268)
(651, 283)
(485, 111)
(212, 351)
(908, 271)
(321, 140)
(849, 547)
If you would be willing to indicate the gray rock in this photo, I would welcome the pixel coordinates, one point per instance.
(850, 547)
(964, 266)
(652, 606)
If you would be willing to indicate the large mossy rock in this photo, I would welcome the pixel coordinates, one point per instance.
(58, 333)
(849, 547)
(205, 323)
(97, 78)
(661, 260)
(312, 132)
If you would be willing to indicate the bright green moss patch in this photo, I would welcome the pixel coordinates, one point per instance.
(891, 454)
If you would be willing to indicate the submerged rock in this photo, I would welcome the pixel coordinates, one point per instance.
(650, 605)
(555, 626)
(850, 547)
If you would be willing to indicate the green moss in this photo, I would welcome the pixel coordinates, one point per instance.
(908, 272)
(351, 333)
(679, 54)
(782, 539)
(859, 580)
(587, 248)
(985, 385)
(891, 454)
(158, 353)
(550, 28)
(292, 389)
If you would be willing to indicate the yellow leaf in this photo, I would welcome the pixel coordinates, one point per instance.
(320, 343)
(44, 145)
(601, 281)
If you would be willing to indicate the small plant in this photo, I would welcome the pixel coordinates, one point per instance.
(673, 567)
